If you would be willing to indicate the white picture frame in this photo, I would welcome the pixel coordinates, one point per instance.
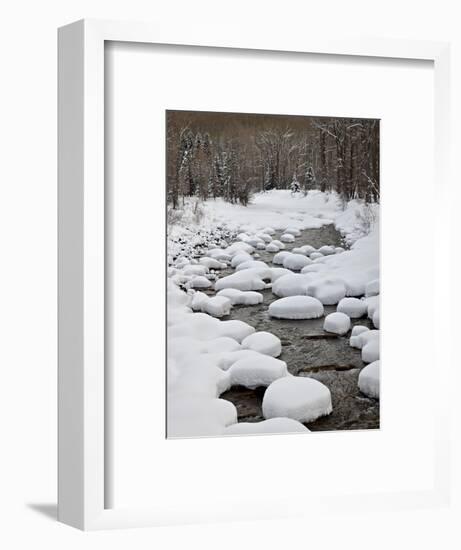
(82, 488)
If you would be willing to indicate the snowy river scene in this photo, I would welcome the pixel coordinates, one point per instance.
(273, 296)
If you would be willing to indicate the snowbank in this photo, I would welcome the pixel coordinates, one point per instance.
(193, 416)
(271, 426)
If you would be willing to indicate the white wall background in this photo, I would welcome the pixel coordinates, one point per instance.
(28, 271)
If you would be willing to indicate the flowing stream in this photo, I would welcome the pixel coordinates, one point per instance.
(309, 351)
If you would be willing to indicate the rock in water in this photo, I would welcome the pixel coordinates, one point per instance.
(369, 380)
(299, 398)
(296, 307)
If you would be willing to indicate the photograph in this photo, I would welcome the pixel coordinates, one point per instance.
(272, 274)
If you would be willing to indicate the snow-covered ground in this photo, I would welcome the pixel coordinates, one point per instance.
(207, 355)
(208, 224)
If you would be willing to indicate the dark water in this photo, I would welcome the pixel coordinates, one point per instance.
(309, 351)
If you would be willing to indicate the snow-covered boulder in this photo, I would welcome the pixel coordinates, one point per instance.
(240, 258)
(294, 284)
(261, 246)
(254, 372)
(277, 272)
(372, 288)
(353, 307)
(339, 250)
(234, 328)
(254, 241)
(264, 237)
(358, 329)
(199, 282)
(287, 238)
(328, 290)
(306, 249)
(293, 231)
(278, 243)
(355, 284)
(239, 246)
(271, 426)
(247, 279)
(272, 247)
(376, 318)
(225, 359)
(263, 342)
(296, 262)
(315, 255)
(239, 297)
(279, 258)
(370, 351)
(203, 327)
(362, 338)
(219, 254)
(181, 262)
(296, 307)
(194, 270)
(212, 263)
(300, 398)
(372, 305)
(327, 250)
(369, 379)
(337, 323)
(269, 230)
(198, 299)
(250, 264)
(217, 306)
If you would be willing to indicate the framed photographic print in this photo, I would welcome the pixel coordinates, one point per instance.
(261, 210)
(239, 312)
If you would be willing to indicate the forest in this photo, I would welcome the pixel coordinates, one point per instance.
(233, 155)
